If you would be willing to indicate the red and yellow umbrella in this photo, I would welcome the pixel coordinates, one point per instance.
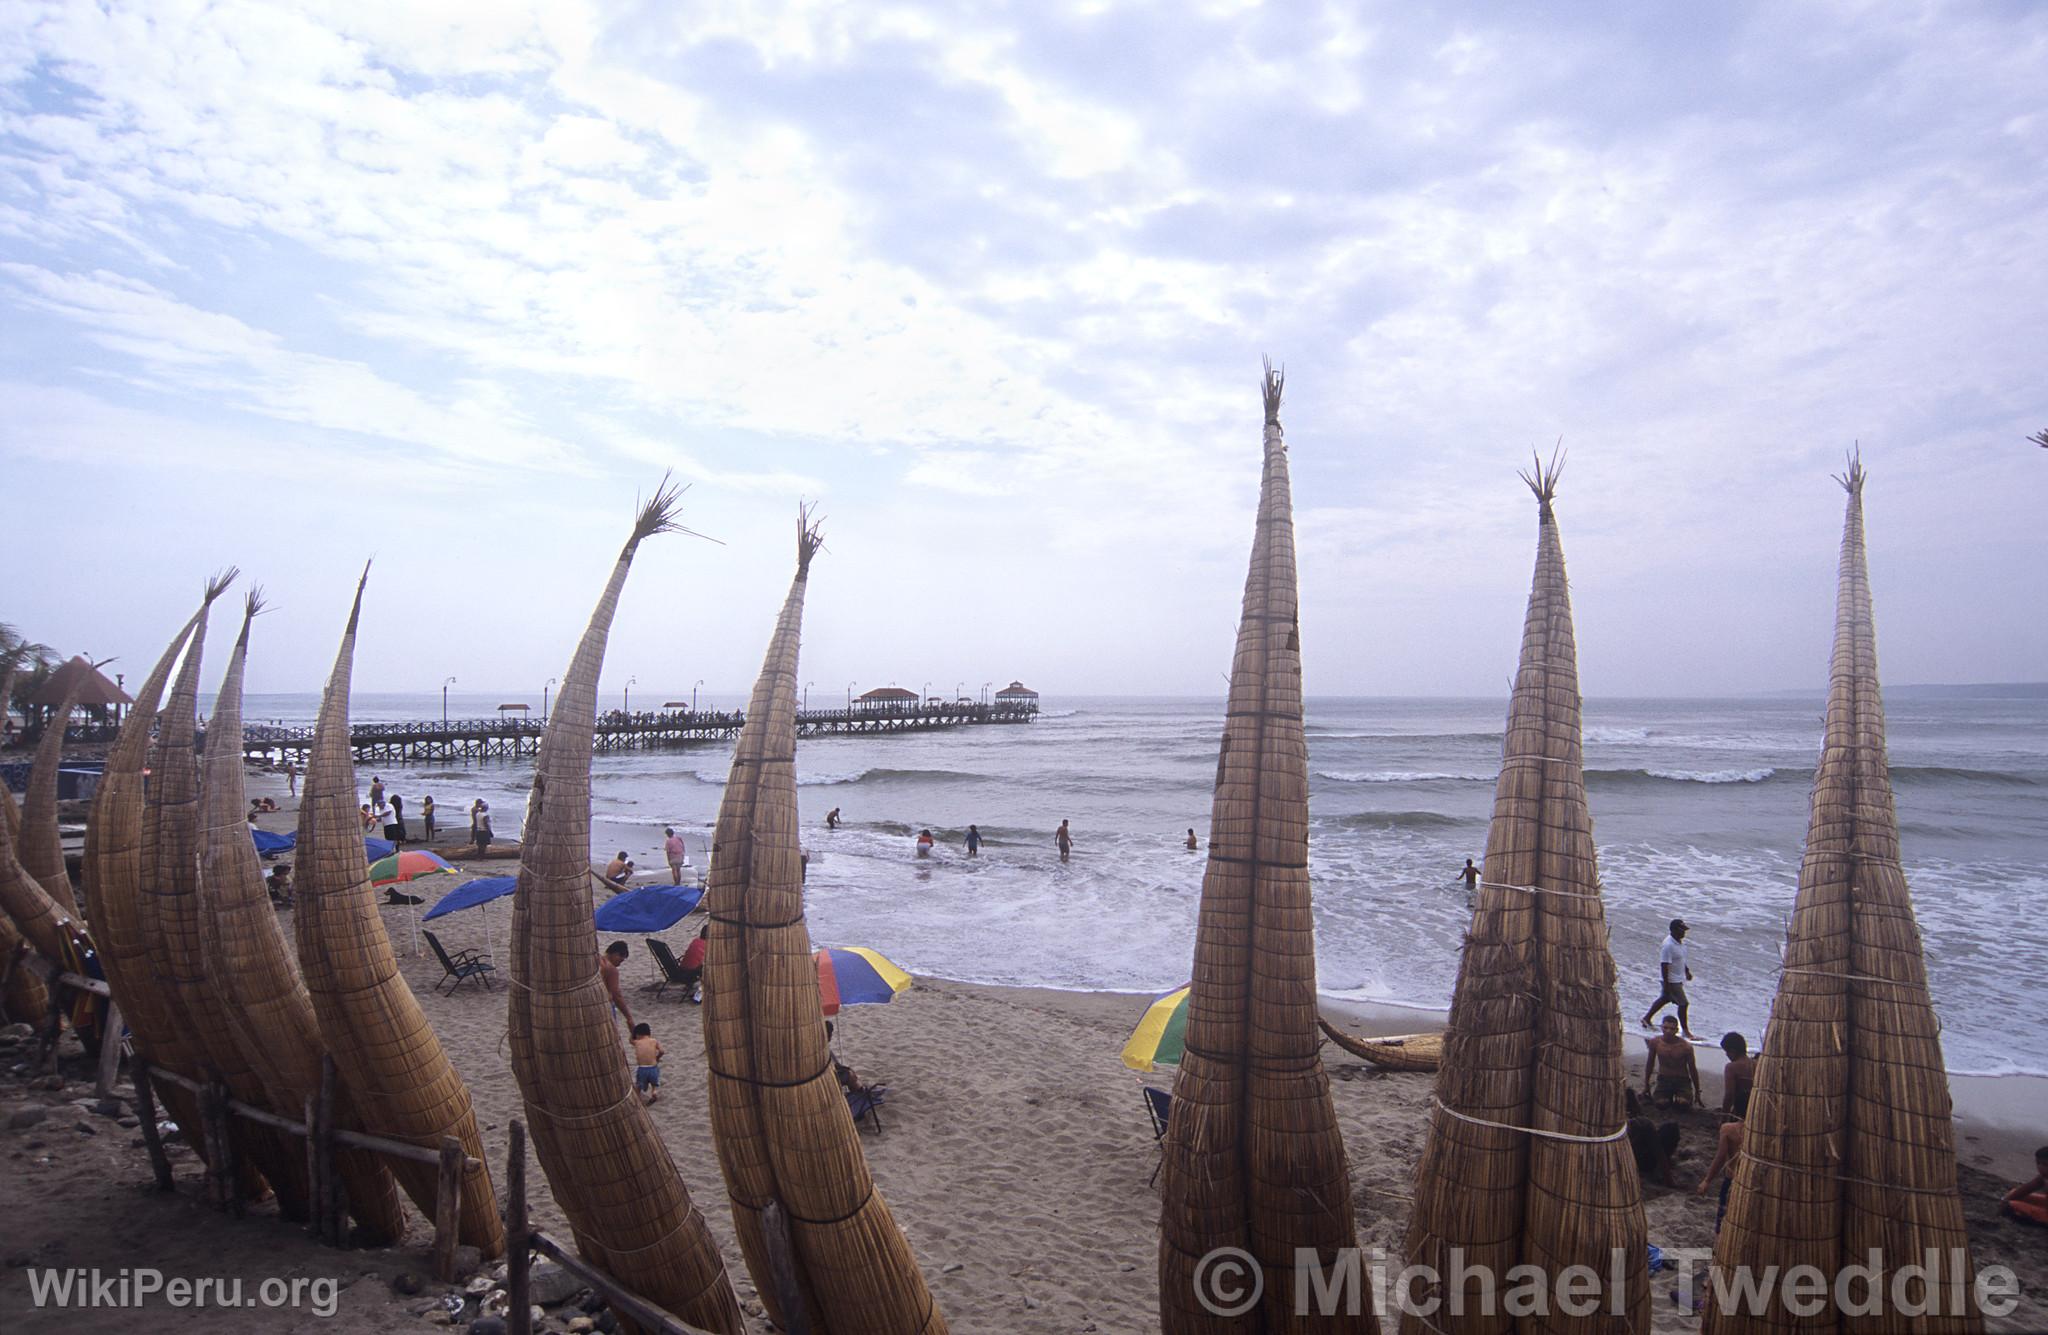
(856, 976)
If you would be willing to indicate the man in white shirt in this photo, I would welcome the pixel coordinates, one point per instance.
(1671, 964)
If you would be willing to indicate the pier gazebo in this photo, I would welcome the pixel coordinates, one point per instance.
(886, 697)
(1017, 693)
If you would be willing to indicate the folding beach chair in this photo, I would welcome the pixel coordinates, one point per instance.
(866, 1105)
(462, 965)
(673, 974)
(1159, 1107)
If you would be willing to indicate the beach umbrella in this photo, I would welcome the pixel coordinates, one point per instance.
(856, 976)
(1253, 1158)
(649, 908)
(1849, 1144)
(406, 866)
(1161, 1035)
(174, 933)
(1526, 1158)
(469, 894)
(778, 1117)
(374, 849)
(267, 843)
(605, 1159)
(384, 1048)
(111, 875)
(270, 1018)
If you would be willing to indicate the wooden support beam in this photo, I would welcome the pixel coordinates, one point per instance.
(629, 1305)
(145, 1113)
(518, 1258)
(448, 1209)
(789, 1293)
(110, 1053)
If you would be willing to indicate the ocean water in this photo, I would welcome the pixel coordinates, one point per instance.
(1699, 810)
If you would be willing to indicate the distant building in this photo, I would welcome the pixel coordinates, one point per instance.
(1017, 693)
(102, 700)
(886, 697)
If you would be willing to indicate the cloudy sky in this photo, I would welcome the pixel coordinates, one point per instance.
(450, 284)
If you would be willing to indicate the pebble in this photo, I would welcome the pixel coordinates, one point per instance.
(467, 1260)
(52, 1082)
(477, 1287)
(128, 1122)
(26, 1117)
(405, 1281)
(952, 1266)
(550, 1285)
(1127, 1267)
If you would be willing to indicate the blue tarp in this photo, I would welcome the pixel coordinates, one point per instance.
(651, 908)
(268, 843)
(472, 893)
(376, 850)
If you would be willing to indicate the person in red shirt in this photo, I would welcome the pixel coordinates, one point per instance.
(693, 964)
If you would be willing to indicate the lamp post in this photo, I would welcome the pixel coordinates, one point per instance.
(444, 702)
(807, 693)
(693, 695)
(544, 699)
(927, 693)
(630, 681)
(984, 691)
(849, 694)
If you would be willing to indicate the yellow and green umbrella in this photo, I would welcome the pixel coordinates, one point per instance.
(1159, 1038)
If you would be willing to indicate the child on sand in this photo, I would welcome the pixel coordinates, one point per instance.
(1672, 1075)
(647, 1054)
(2029, 1200)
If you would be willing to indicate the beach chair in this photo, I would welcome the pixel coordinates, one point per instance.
(673, 974)
(1159, 1107)
(463, 965)
(866, 1105)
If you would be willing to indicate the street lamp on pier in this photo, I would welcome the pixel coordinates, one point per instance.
(630, 683)
(984, 691)
(693, 695)
(444, 702)
(544, 699)
(807, 693)
(849, 693)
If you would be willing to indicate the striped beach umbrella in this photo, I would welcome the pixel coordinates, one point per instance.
(1159, 1038)
(857, 976)
(406, 866)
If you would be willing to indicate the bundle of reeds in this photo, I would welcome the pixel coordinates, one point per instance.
(1253, 1158)
(111, 877)
(41, 848)
(10, 814)
(1398, 1052)
(173, 949)
(1848, 1145)
(28, 906)
(783, 1132)
(269, 1016)
(1526, 1159)
(383, 1047)
(611, 1172)
(26, 999)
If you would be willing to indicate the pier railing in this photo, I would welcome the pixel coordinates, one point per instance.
(617, 730)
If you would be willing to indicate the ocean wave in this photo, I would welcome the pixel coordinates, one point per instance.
(1402, 820)
(1761, 774)
(1398, 776)
(1614, 735)
(1317, 735)
(1950, 774)
(826, 779)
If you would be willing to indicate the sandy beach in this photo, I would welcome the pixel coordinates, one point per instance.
(1015, 1153)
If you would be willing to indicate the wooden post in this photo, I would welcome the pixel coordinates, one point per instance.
(145, 1112)
(220, 1134)
(110, 1053)
(7, 971)
(519, 1307)
(320, 1141)
(448, 1209)
(795, 1317)
(52, 1029)
(316, 1186)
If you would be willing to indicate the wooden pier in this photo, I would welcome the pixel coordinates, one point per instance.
(465, 740)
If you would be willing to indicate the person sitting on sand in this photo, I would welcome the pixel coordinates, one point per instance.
(1671, 1077)
(608, 971)
(1654, 1146)
(620, 869)
(924, 843)
(848, 1080)
(1740, 1072)
(279, 884)
(832, 819)
(1726, 1148)
(1193, 843)
(368, 819)
(693, 964)
(2028, 1202)
(647, 1055)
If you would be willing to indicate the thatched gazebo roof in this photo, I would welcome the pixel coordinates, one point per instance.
(1016, 690)
(94, 691)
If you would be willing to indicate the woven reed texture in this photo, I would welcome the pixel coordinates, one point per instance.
(111, 878)
(1534, 1038)
(777, 1115)
(1848, 1144)
(269, 1016)
(610, 1170)
(172, 947)
(28, 905)
(1408, 1052)
(10, 814)
(384, 1049)
(41, 848)
(1254, 1159)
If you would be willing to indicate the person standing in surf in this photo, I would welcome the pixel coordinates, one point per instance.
(1672, 965)
(1065, 839)
(973, 841)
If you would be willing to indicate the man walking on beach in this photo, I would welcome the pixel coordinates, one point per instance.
(677, 854)
(608, 970)
(1672, 965)
(1064, 839)
(291, 777)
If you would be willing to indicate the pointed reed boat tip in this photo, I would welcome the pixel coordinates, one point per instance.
(355, 611)
(1542, 478)
(1272, 384)
(218, 584)
(1852, 478)
(810, 538)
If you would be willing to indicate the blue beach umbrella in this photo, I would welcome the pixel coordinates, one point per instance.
(376, 850)
(469, 894)
(650, 908)
(268, 843)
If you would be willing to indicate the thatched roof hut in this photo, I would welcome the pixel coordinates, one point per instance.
(81, 681)
(886, 697)
(1253, 1157)
(626, 1204)
(1526, 1159)
(1848, 1146)
(786, 1142)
